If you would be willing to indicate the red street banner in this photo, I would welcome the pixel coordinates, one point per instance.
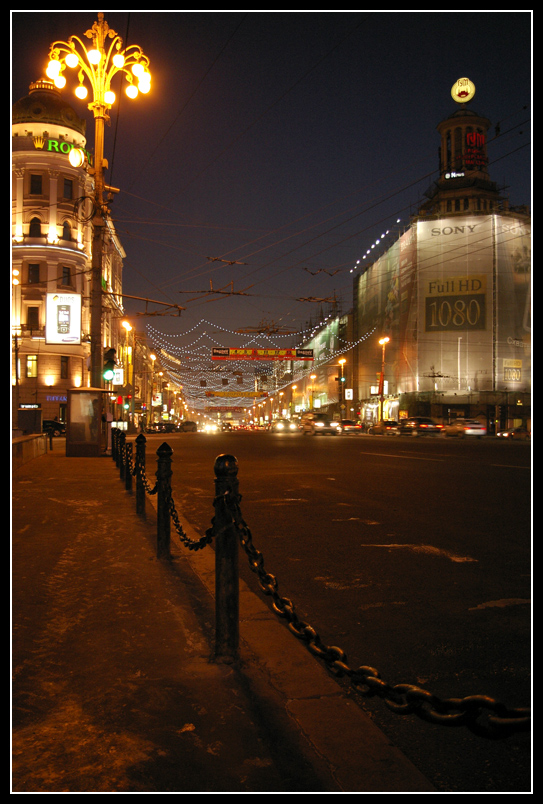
(228, 353)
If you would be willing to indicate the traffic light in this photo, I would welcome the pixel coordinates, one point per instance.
(109, 365)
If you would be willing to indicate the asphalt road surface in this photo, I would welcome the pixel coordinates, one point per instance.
(412, 555)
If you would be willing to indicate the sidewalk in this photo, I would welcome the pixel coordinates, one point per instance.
(114, 684)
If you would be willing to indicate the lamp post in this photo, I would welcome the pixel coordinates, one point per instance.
(383, 342)
(99, 64)
(342, 362)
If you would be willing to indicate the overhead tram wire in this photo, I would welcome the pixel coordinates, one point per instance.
(350, 236)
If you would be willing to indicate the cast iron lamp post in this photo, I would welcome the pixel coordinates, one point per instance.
(98, 65)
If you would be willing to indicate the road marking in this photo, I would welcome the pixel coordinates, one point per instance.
(507, 601)
(409, 457)
(428, 549)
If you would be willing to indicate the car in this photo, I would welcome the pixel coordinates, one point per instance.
(516, 434)
(385, 427)
(187, 426)
(320, 424)
(418, 426)
(284, 426)
(351, 426)
(210, 427)
(465, 427)
(51, 426)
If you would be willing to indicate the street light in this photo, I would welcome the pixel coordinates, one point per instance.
(99, 64)
(342, 362)
(383, 342)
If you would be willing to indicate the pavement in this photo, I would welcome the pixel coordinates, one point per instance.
(115, 685)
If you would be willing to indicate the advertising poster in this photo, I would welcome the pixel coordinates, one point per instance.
(63, 318)
(455, 281)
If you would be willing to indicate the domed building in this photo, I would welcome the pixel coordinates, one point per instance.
(52, 211)
(453, 297)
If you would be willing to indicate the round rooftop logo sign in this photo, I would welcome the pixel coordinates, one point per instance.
(463, 91)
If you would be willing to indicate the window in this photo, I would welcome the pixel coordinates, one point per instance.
(33, 317)
(35, 228)
(68, 189)
(36, 184)
(66, 231)
(31, 366)
(64, 363)
(66, 275)
(33, 273)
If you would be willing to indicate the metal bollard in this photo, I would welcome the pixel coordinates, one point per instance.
(114, 432)
(226, 564)
(164, 494)
(140, 469)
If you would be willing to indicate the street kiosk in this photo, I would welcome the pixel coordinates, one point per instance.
(87, 426)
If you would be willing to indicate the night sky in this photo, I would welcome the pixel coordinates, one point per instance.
(285, 143)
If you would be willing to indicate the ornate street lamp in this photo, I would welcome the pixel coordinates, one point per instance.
(98, 65)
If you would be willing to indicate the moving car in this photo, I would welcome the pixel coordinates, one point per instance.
(418, 426)
(465, 427)
(58, 428)
(284, 426)
(188, 427)
(350, 426)
(386, 427)
(516, 434)
(320, 424)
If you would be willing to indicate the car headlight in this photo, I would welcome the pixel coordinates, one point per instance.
(319, 424)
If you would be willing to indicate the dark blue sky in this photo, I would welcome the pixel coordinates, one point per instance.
(285, 141)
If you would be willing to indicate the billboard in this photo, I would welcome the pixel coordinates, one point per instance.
(63, 318)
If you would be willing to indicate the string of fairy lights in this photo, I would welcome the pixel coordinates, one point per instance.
(186, 359)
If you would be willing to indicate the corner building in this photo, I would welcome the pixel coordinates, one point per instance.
(51, 256)
(453, 294)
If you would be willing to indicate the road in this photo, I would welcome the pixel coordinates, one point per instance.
(412, 555)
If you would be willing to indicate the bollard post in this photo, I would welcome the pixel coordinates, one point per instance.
(164, 495)
(226, 564)
(128, 462)
(140, 469)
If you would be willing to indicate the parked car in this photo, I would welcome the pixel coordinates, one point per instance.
(58, 428)
(516, 434)
(284, 426)
(465, 427)
(351, 426)
(319, 424)
(418, 426)
(188, 427)
(385, 427)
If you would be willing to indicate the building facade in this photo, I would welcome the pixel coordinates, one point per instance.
(52, 211)
(453, 296)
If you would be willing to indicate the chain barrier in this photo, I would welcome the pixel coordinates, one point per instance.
(481, 714)
(136, 467)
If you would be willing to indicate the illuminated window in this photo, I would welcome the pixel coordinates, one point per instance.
(31, 366)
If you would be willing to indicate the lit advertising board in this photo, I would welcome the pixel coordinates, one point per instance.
(229, 353)
(63, 318)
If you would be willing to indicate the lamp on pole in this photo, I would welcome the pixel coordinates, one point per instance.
(99, 64)
(383, 342)
(342, 362)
